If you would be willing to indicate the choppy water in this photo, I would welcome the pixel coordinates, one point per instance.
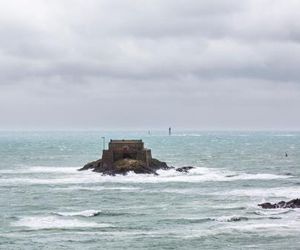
(46, 204)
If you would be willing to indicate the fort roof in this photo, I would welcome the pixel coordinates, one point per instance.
(125, 141)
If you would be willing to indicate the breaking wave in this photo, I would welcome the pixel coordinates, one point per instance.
(232, 218)
(54, 222)
(85, 213)
(270, 212)
(198, 174)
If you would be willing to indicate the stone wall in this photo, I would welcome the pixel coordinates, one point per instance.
(131, 145)
(107, 158)
(121, 149)
(145, 156)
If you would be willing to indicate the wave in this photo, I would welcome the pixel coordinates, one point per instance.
(53, 222)
(287, 192)
(278, 211)
(285, 135)
(231, 218)
(83, 188)
(85, 213)
(92, 213)
(38, 169)
(268, 228)
(198, 174)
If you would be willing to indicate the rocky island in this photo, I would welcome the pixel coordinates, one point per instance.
(123, 156)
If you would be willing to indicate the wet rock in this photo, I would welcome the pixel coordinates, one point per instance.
(184, 169)
(123, 166)
(267, 205)
(91, 165)
(295, 203)
(231, 175)
(126, 165)
(157, 164)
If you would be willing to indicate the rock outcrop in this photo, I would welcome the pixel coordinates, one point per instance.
(124, 166)
(282, 204)
(184, 169)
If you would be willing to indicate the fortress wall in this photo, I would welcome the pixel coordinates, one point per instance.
(131, 146)
(107, 158)
(120, 149)
(148, 156)
(120, 155)
(145, 156)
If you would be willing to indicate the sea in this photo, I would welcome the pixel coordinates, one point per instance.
(45, 203)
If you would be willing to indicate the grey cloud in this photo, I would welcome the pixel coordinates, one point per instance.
(215, 58)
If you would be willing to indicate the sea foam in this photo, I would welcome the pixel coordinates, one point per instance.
(85, 213)
(198, 174)
(54, 222)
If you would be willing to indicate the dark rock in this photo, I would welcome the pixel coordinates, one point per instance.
(126, 165)
(295, 203)
(231, 175)
(91, 165)
(184, 169)
(156, 164)
(267, 205)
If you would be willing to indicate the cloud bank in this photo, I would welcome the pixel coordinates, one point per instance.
(150, 64)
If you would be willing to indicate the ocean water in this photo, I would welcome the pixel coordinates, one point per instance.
(45, 203)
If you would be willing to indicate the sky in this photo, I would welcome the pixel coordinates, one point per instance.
(150, 64)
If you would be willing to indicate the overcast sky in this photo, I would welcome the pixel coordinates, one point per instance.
(121, 64)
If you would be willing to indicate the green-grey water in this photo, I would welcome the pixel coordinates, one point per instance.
(45, 203)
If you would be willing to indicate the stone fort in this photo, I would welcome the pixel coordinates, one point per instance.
(126, 149)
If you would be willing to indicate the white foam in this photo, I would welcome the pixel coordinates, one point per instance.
(41, 169)
(85, 213)
(229, 218)
(198, 174)
(271, 228)
(260, 177)
(53, 222)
